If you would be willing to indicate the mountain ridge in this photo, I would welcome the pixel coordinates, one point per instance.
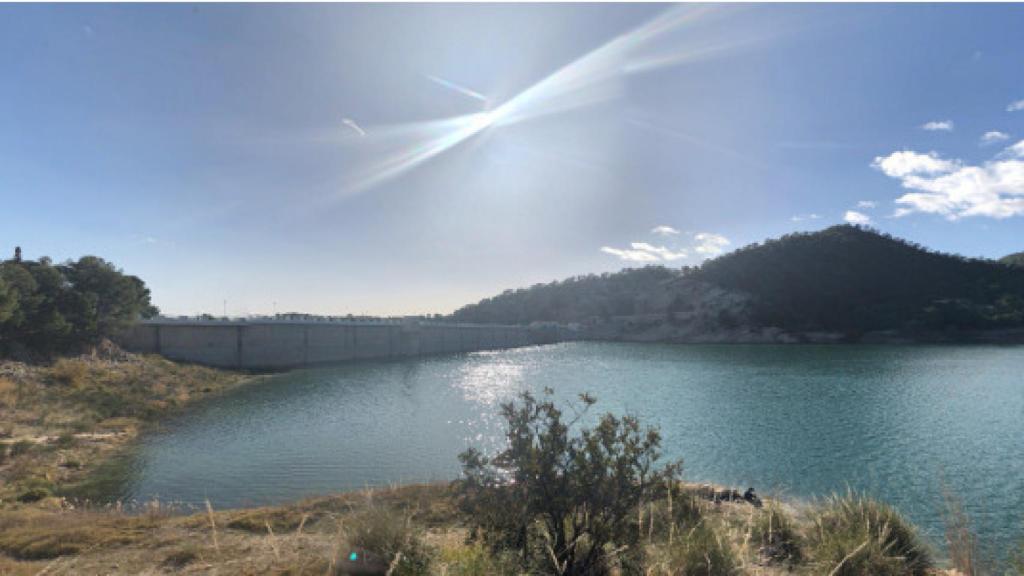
(841, 283)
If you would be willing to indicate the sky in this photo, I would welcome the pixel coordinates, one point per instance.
(406, 159)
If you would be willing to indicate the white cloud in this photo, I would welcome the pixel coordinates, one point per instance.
(867, 204)
(1015, 106)
(630, 255)
(954, 190)
(802, 217)
(704, 244)
(709, 244)
(938, 126)
(994, 136)
(907, 162)
(859, 218)
(1015, 150)
(660, 251)
(664, 231)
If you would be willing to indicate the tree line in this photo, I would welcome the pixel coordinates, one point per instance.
(48, 308)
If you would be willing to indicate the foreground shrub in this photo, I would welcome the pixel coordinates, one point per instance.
(854, 535)
(393, 537)
(568, 503)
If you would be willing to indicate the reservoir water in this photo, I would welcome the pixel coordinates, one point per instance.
(899, 422)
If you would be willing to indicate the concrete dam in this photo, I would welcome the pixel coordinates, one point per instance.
(281, 344)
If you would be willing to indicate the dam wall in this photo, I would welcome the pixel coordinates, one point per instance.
(278, 345)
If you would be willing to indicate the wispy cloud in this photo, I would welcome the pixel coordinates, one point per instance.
(993, 137)
(956, 190)
(938, 126)
(662, 252)
(352, 124)
(664, 231)
(854, 217)
(702, 244)
(644, 252)
(803, 217)
(1015, 106)
(867, 204)
(630, 255)
(709, 244)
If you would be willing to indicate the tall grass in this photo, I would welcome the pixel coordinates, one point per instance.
(854, 535)
(775, 534)
(699, 551)
(961, 542)
(8, 393)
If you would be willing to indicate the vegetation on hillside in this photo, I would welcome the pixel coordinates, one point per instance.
(844, 279)
(1015, 259)
(576, 299)
(48, 308)
(852, 280)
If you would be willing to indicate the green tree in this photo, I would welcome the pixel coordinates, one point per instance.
(46, 309)
(107, 300)
(568, 502)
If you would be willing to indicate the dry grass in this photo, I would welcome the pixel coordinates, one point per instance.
(314, 537)
(61, 422)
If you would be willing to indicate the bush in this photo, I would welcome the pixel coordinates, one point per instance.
(21, 447)
(34, 494)
(69, 372)
(392, 536)
(565, 502)
(180, 558)
(477, 560)
(854, 535)
(66, 440)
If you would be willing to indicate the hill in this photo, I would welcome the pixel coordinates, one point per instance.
(1015, 259)
(844, 280)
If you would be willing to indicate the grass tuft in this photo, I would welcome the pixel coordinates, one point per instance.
(700, 551)
(854, 535)
(392, 536)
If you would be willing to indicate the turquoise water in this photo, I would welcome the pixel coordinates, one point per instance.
(799, 421)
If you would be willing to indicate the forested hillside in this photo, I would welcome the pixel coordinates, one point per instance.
(843, 279)
(575, 299)
(1015, 259)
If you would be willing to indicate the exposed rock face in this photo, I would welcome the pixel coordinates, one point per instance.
(688, 310)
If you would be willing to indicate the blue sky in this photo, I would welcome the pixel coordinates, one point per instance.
(394, 159)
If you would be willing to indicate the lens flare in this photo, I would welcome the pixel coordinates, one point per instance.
(595, 77)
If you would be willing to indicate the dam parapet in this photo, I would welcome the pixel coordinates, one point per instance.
(276, 344)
